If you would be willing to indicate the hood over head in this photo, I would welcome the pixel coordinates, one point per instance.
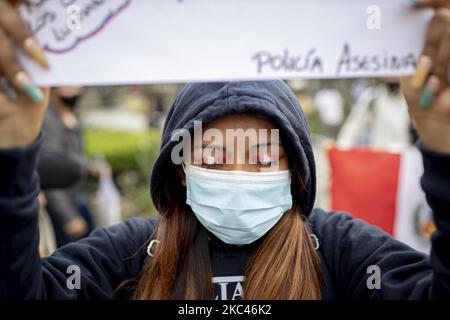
(209, 101)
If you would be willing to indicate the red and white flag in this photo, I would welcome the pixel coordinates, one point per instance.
(383, 189)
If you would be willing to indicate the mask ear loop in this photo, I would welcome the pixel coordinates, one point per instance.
(150, 246)
(315, 241)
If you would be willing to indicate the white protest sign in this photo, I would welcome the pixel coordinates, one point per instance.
(148, 41)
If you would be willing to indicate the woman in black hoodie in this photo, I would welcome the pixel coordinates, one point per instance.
(229, 227)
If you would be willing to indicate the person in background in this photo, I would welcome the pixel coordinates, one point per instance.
(378, 119)
(357, 87)
(158, 114)
(329, 104)
(56, 171)
(67, 207)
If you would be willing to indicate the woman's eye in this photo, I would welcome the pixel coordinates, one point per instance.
(268, 165)
(266, 161)
(210, 162)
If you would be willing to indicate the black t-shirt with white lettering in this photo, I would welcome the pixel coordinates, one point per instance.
(229, 264)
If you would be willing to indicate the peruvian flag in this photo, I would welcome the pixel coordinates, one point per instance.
(383, 189)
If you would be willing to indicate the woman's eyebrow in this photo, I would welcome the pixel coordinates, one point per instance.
(209, 146)
(266, 144)
(223, 148)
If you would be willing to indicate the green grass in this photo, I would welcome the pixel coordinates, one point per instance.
(125, 151)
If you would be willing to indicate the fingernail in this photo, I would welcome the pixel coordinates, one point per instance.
(31, 46)
(429, 91)
(448, 74)
(9, 90)
(26, 85)
(415, 3)
(422, 70)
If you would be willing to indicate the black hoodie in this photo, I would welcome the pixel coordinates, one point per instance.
(348, 248)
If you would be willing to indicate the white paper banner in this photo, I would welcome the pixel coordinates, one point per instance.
(147, 41)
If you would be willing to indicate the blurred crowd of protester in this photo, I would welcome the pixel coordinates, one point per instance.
(379, 118)
(65, 213)
(350, 113)
(376, 115)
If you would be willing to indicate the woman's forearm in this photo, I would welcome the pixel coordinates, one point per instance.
(436, 184)
(21, 275)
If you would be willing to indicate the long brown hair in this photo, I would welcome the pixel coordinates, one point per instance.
(285, 265)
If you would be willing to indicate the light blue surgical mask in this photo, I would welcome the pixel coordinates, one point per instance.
(238, 207)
